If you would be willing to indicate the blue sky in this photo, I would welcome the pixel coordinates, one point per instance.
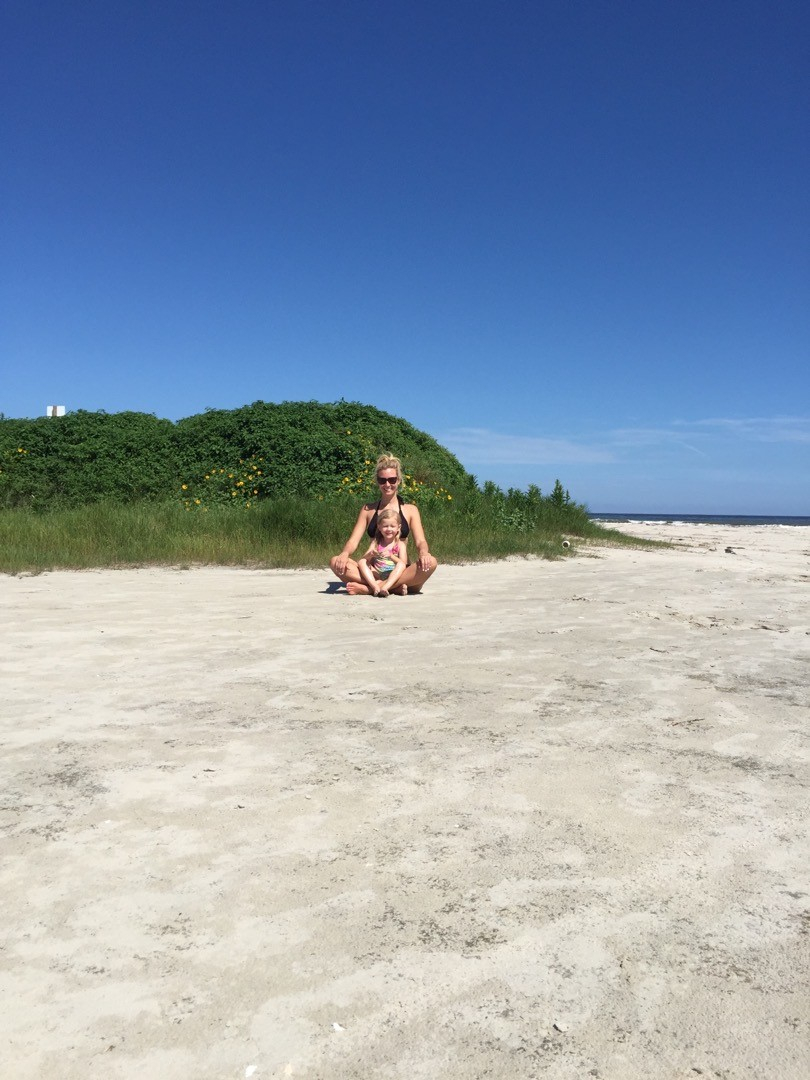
(569, 238)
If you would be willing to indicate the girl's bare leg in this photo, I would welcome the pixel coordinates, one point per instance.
(394, 582)
(370, 577)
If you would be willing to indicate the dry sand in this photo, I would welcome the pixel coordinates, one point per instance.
(546, 820)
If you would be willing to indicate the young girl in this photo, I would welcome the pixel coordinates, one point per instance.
(384, 563)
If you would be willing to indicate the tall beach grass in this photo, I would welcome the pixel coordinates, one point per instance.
(288, 532)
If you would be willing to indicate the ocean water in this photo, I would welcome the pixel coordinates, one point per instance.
(703, 519)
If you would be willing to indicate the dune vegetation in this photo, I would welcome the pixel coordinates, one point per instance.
(270, 485)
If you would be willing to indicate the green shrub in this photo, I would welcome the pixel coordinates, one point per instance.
(301, 449)
(83, 458)
(310, 448)
(278, 464)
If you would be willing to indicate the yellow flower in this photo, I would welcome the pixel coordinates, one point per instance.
(348, 432)
(196, 502)
(184, 487)
(255, 491)
(449, 498)
(20, 450)
(240, 483)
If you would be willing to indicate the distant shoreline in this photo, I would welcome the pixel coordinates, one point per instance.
(701, 519)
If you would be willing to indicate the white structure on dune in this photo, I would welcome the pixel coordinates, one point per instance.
(55, 410)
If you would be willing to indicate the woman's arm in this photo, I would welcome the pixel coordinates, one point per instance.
(353, 541)
(418, 533)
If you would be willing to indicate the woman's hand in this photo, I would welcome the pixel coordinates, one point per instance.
(341, 561)
(424, 560)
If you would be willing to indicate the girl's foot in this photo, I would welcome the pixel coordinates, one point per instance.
(382, 592)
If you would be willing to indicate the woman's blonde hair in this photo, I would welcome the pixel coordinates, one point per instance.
(388, 461)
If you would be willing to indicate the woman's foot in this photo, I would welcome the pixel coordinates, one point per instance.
(354, 588)
(400, 590)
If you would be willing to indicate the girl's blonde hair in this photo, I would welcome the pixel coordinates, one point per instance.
(388, 461)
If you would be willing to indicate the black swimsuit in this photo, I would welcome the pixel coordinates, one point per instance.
(404, 527)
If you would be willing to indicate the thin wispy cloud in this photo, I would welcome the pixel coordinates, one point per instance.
(772, 429)
(634, 438)
(758, 429)
(480, 446)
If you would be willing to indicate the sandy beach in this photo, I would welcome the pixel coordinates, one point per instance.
(545, 820)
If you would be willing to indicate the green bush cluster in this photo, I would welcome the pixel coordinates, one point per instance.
(305, 449)
(266, 458)
(85, 457)
(129, 488)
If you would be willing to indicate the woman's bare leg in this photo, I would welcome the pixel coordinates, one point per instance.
(350, 577)
(413, 578)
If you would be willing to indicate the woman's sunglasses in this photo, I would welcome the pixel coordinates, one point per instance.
(387, 480)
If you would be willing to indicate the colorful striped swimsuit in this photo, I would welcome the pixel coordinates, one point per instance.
(382, 561)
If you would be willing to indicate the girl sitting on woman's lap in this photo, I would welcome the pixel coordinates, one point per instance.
(384, 563)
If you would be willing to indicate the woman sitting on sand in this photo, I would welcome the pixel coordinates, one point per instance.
(389, 477)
